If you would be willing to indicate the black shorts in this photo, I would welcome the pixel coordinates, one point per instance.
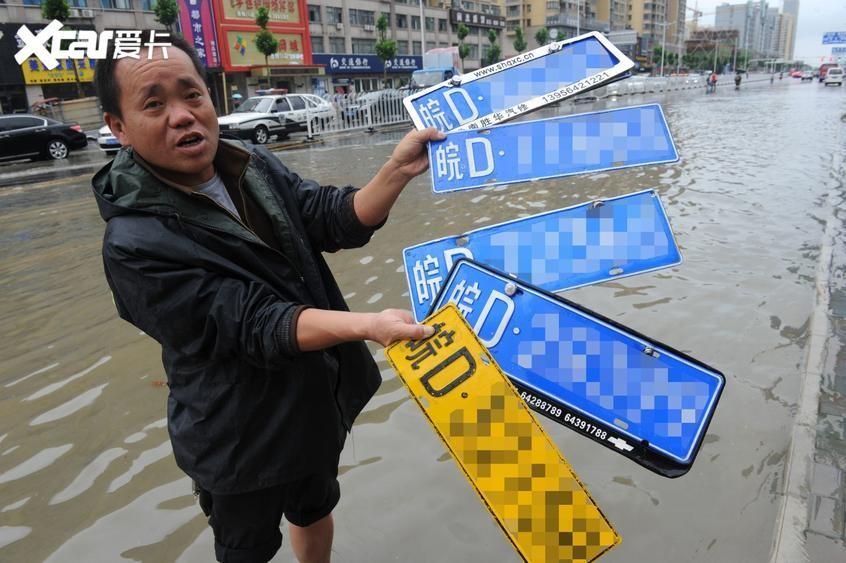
(246, 525)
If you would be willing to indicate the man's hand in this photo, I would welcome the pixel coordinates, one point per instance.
(395, 324)
(410, 156)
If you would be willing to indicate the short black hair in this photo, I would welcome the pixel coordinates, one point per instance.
(108, 90)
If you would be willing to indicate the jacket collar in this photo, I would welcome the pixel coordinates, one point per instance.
(230, 163)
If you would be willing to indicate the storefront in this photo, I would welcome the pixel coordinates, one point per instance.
(26, 84)
(349, 73)
(245, 68)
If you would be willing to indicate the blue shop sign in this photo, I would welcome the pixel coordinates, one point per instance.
(347, 63)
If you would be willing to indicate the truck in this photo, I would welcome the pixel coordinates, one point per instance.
(438, 65)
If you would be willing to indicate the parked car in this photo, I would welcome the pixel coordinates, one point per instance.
(260, 117)
(807, 75)
(23, 135)
(382, 105)
(834, 76)
(107, 142)
(824, 69)
(796, 74)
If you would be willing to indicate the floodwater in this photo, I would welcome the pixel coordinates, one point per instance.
(86, 470)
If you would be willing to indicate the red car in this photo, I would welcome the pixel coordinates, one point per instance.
(796, 74)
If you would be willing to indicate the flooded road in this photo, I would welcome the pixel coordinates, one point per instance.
(86, 470)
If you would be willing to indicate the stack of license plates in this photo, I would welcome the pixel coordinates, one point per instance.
(634, 395)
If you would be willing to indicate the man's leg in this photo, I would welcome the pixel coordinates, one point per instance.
(313, 543)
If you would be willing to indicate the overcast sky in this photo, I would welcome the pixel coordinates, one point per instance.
(815, 18)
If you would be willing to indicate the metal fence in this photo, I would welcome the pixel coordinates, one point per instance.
(368, 111)
(351, 112)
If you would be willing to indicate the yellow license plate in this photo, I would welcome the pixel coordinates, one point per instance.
(522, 478)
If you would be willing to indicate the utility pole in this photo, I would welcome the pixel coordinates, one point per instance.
(664, 39)
(734, 62)
(422, 29)
(578, 17)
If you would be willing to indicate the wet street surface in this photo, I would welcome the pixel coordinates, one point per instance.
(86, 469)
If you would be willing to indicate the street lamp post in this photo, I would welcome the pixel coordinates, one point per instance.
(578, 17)
(664, 39)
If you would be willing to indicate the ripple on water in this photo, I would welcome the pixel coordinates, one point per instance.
(39, 461)
(15, 505)
(374, 298)
(86, 478)
(11, 534)
(70, 407)
(146, 458)
(366, 260)
(371, 279)
(36, 372)
(59, 384)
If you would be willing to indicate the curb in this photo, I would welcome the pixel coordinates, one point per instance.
(792, 519)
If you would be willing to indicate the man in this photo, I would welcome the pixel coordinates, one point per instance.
(213, 248)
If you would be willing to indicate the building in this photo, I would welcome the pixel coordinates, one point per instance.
(787, 36)
(659, 22)
(23, 85)
(345, 30)
(759, 27)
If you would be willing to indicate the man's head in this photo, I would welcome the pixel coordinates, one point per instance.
(162, 108)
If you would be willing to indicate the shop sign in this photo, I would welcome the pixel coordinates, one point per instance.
(348, 63)
(243, 52)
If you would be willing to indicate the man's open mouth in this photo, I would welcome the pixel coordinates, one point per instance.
(190, 140)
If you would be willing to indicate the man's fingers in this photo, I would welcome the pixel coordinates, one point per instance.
(404, 315)
(414, 332)
(432, 134)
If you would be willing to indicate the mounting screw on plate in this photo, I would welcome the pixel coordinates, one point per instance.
(615, 271)
(555, 47)
(510, 289)
(462, 241)
(464, 395)
(649, 351)
(455, 81)
(596, 204)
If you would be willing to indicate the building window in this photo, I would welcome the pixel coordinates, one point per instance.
(402, 48)
(313, 14)
(361, 17)
(513, 11)
(473, 53)
(430, 24)
(417, 49)
(116, 4)
(363, 46)
(334, 15)
(415, 22)
(402, 21)
(317, 44)
(442, 24)
(336, 45)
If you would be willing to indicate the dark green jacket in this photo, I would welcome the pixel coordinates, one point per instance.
(246, 409)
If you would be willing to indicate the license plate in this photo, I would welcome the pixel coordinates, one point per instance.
(624, 390)
(517, 471)
(519, 85)
(550, 148)
(557, 250)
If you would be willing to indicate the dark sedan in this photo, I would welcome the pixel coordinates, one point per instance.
(33, 136)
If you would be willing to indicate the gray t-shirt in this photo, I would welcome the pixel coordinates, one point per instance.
(215, 189)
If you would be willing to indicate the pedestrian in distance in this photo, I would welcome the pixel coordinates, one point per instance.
(713, 80)
(214, 249)
(737, 79)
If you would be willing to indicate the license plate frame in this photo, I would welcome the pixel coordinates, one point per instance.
(579, 232)
(618, 432)
(583, 143)
(478, 93)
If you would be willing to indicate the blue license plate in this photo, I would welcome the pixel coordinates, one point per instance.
(519, 85)
(557, 250)
(634, 395)
(550, 148)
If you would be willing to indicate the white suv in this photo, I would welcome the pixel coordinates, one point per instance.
(834, 76)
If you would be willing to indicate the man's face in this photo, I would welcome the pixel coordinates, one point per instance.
(167, 116)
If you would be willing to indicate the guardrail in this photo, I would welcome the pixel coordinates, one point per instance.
(370, 110)
(351, 112)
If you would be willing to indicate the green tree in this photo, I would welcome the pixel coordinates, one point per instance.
(265, 43)
(542, 36)
(656, 54)
(463, 49)
(519, 41)
(59, 10)
(495, 51)
(167, 12)
(386, 49)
